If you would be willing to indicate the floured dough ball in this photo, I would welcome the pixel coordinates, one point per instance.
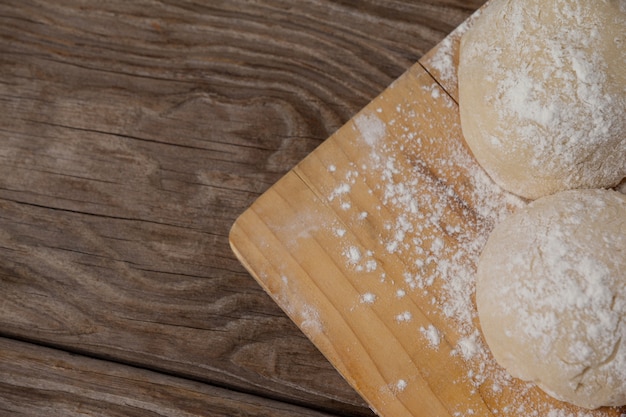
(542, 94)
(551, 296)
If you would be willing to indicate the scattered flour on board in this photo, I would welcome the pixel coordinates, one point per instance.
(401, 385)
(469, 346)
(297, 309)
(442, 60)
(432, 335)
(372, 129)
(353, 254)
(368, 298)
(404, 317)
(438, 228)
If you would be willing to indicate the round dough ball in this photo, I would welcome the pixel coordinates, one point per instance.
(551, 296)
(542, 94)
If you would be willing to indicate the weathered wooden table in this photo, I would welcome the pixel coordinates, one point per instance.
(132, 135)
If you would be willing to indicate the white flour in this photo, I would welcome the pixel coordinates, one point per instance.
(432, 335)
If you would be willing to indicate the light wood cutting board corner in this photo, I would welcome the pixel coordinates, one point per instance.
(369, 246)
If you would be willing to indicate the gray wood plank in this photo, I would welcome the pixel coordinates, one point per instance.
(38, 381)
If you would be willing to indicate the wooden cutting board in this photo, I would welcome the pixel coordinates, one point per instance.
(370, 244)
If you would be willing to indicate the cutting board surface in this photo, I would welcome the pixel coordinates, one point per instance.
(370, 246)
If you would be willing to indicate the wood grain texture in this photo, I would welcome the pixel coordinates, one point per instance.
(132, 134)
(41, 381)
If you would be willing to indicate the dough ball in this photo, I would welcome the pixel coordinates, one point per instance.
(542, 94)
(551, 296)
